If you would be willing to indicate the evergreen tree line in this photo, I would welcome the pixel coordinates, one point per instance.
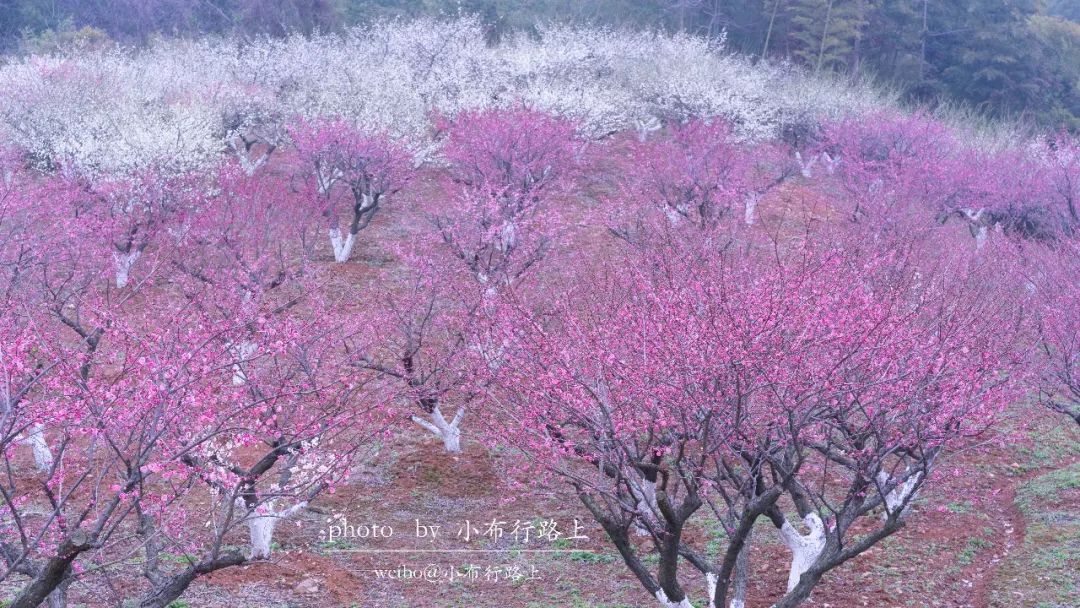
(1016, 59)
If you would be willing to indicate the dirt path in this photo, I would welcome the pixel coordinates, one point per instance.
(1013, 526)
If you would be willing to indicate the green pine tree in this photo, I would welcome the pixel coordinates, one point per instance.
(827, 34)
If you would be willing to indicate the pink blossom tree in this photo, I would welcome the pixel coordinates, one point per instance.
(496, 241)
(1008, 191)
(126, 216)
(1063, 154)
(517, 153)
(153, 436)
(889, 166)
(56, 378)
(418, 333)
(509, 169)
(498, 222)
(134, 397)
(253, 135)
(298, 422)
(895, 168)
(19, 261)
(84, 494)
(1055, 285)
(682, 378)
(246, 263)
(338, 166)
(248, 243)
(697, 176)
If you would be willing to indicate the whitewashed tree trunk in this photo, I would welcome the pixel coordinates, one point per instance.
(666, 603)
(249, 162)
(899, 497)
(806, 168)
(977, 225)
(981, 234)
(749, 216)
(251, 165)
(123, 263)
(508, 237)
(325, 179)
(243, 351)
(58, 598)
(805, 549)
(830, 163)
(342, 244)
(673, 214)
(448, 431)
(43, 457)
(647, 125)
(647, 499)
(261, 528)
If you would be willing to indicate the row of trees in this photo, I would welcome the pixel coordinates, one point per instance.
(183, 102)
(1005, 58)
(172, 358)
(170, 396)
(32, 23)
(179, 366)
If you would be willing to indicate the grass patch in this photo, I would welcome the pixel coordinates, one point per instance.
(1047, 566)
(1045, 489)
(1051, 445)
(967, 555)
(588, 557)
(176, 557)
(335, 545)
(960, 508)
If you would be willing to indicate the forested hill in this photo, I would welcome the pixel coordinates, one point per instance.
(1016, 59)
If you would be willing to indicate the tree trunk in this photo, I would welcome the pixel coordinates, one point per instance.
(43, 457)
(243, 351)
(646, 505)
(740, 578)
(343, 245)
(741, 575)
(900, 497)
(54, 574)
(806, 168)
(165, 594)
(824, 37)
(801, 592)
(924, 35)
(768, 32)
(123, 263)
(666, 603)
(58, 598)
(981, 233)
(448, 431)
(261, 529)
(749, 216)
(805, 549)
